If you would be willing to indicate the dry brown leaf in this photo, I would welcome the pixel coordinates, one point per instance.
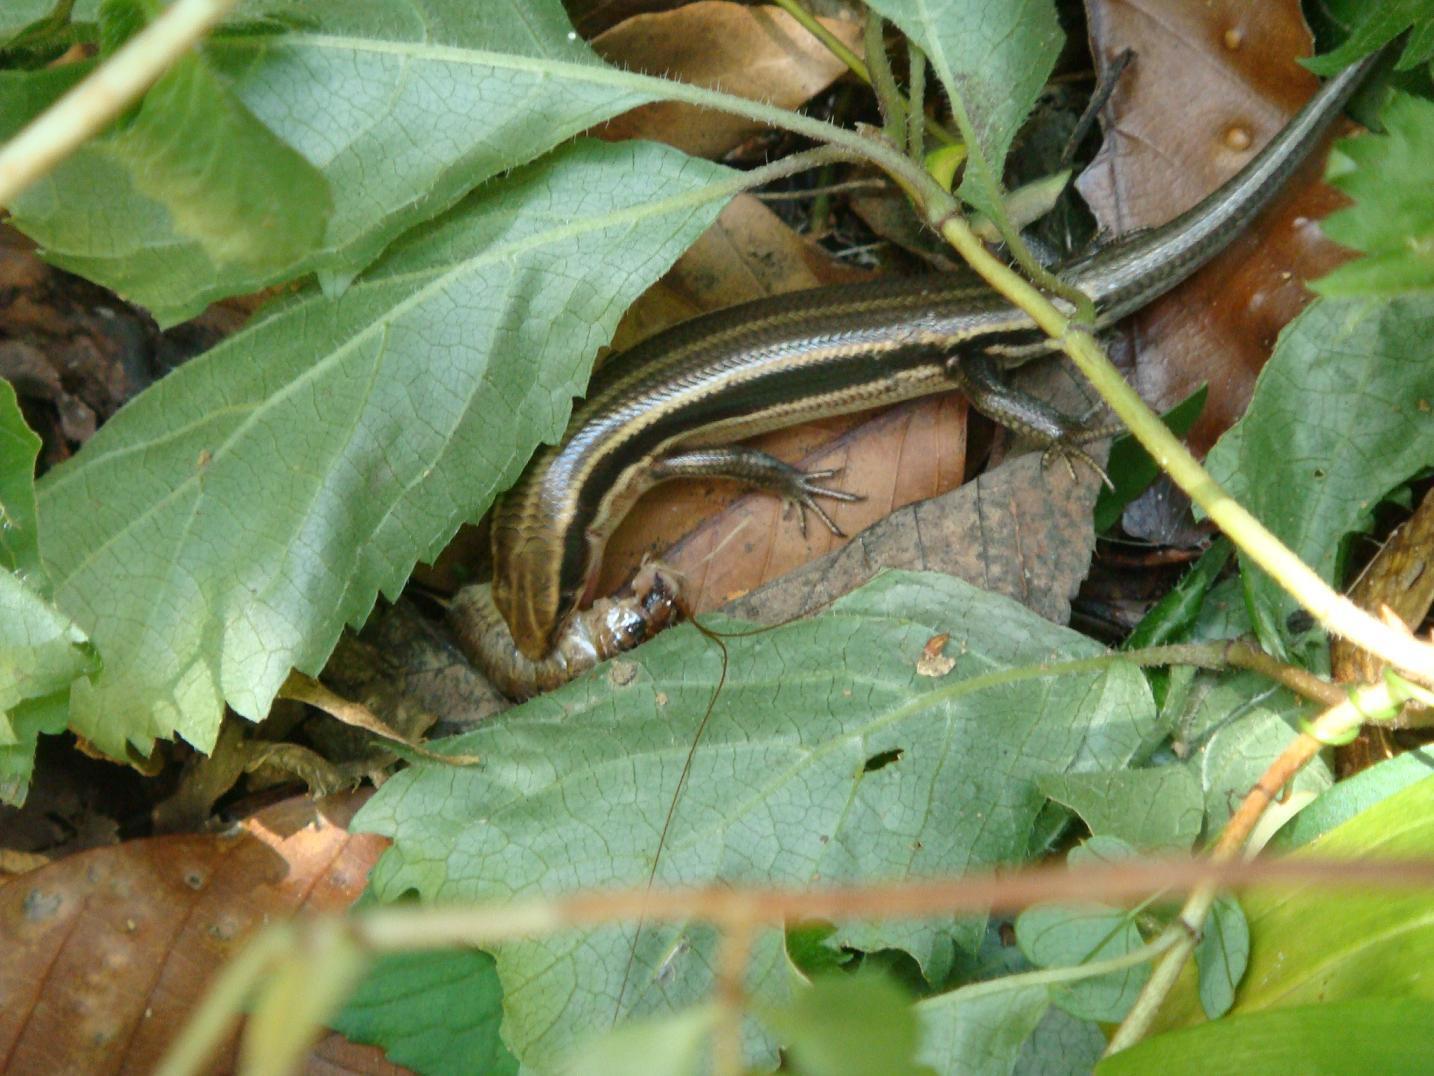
(1022, 530)
(107, 951)
(760, 53)
(1211, 83)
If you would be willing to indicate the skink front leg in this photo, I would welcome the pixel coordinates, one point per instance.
(979, 376)
(754, 467)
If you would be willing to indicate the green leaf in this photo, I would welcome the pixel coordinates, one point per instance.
(810, 950)
(979, 1029)
(1355, 794)
(1174, 615)
(227, 183)
(1339, 416)
(1067, 935)
(1149, 809)
(1392, 219)
(18, 15)
(678, 1045)
(19, 447)
(1349, 1036)
(434, 1012)
(33, 35)
(401, 108)
(1222, 955)
(1377, 25)
(1241, 750)
(226, 524)
(41, 650)
(578, 784)
(1330, 944)
(1061, 1045)
(849, 1025)
(993, 60)
(41, 654)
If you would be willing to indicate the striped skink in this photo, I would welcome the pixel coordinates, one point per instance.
(668, 407)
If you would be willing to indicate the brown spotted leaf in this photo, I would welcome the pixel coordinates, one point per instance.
(108, 951)
(1211, 83)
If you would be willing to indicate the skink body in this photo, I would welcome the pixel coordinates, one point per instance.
(659, 411)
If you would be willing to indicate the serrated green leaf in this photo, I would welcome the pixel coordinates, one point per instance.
(22, 727)
(19, 447)
(1375, 26)
(433, 1012)
(849, 1025)
(1222, 955)
(1387, 1037)
(993, 60)
(41, 654)
(41, 650)
(402, 108)
(577, 786)
(1150, 809)
(227, 523)
(1392, 219)
(980, 1029)
(1339, 416)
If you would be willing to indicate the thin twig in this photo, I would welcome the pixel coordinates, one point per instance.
(398, 927)
(104, 93)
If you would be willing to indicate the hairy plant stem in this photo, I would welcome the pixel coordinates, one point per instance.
(1240, 654)
(888, 97)
(916, 116)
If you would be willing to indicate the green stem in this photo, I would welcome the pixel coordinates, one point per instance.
(1075, 973)
(893, 107)
(916, 115)
(1335, 612)
(835, 45)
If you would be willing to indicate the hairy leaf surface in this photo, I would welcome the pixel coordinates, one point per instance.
(401, 107)
(227, 523)
(828, 758)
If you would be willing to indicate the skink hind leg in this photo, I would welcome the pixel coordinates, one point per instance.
(754, 467)
(979, 377)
